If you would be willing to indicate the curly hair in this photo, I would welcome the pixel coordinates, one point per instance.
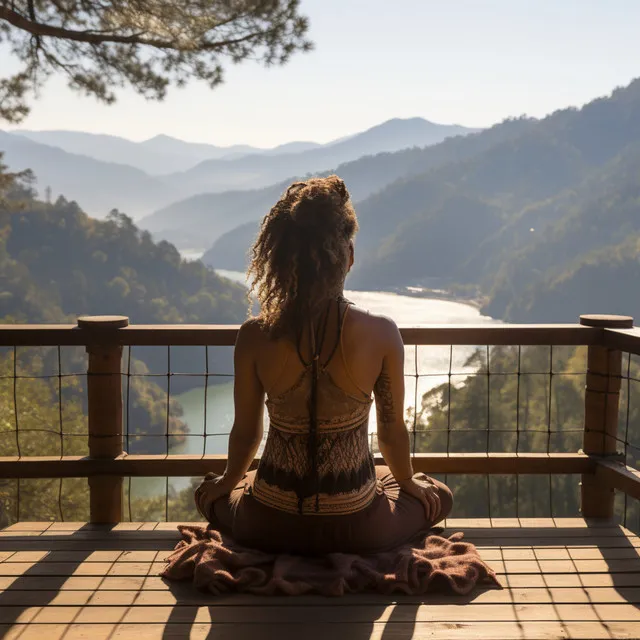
(300, 257)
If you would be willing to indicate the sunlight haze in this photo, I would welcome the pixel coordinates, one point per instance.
(469, 62)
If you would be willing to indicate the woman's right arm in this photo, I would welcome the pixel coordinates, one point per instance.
(393, 436)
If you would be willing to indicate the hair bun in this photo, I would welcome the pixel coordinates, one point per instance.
(316, 198)
(339, 186)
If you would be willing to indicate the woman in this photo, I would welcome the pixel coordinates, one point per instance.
(317, 359)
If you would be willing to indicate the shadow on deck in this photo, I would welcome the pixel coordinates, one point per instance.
(562, 578)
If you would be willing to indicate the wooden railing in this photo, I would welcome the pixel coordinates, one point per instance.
(107, 464)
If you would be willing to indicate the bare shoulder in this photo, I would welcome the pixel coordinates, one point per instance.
(251, 334)
(373, 325)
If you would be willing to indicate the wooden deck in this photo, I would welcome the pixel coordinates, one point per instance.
(562, 578)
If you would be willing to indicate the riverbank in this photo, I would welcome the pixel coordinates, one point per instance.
(476, 301)
(473, 298)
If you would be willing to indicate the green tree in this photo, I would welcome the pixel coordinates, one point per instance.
(14, 187)
(146, 44)
(510, 403)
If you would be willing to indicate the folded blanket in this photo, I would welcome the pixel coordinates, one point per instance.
(216, 564)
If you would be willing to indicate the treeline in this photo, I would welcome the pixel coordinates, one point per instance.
(56, 263)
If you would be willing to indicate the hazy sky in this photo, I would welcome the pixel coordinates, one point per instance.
(472, 62)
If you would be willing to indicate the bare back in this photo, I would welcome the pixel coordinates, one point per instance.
(355, 366)
(317, 458)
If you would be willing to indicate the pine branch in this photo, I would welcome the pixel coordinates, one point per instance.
(100, 37)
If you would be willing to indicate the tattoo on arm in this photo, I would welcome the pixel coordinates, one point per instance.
(384, 399)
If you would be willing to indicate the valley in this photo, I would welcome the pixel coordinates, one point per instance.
(530, 220)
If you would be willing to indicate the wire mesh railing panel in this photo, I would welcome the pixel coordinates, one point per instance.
(501, 399)
(158, 499)
(43, 412)
(179, 400)
(627, 509)
(176, 400)
(497, 399)
(628, 433)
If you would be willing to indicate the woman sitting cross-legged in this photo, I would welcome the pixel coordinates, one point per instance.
(317, 359)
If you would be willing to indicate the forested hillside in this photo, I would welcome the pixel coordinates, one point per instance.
(512, 212)
(57, 263)
(564, 194)
(580, 225)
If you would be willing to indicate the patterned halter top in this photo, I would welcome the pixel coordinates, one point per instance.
(316, 460)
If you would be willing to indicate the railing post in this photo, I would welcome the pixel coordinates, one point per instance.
(601, 405)
(104, 398)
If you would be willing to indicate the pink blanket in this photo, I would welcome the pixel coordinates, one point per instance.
(216, 564)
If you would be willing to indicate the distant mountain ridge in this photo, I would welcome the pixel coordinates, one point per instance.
(254, 171)
(164, 155)
(158, 155)
(103, 172)
(194, 221)
(367, 177)
(97, 185)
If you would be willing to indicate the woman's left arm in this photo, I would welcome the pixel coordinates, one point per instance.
(246, 433)
(248, 395)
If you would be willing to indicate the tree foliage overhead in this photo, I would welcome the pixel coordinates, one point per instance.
(146, 44)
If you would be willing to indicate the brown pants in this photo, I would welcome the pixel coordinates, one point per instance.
(394, 518)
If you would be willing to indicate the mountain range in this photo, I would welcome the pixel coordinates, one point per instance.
(259, 171)
(202, 219)
(97, 185)
(138, 178)
(367, 179)
(159, 155)
(538, 218)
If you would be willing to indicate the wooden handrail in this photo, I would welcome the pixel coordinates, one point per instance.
(617, 475)
(194, 465)
(225, 335)
(627, 340)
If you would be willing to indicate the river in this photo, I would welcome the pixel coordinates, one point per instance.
(404, 309)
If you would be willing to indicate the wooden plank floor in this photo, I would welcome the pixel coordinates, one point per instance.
(561, 578)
